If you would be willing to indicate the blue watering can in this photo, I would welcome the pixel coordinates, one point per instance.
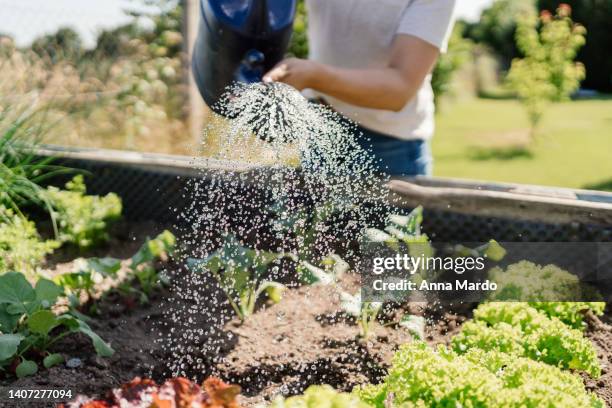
(239, 41)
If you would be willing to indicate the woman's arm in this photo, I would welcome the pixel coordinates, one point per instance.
(389, 88)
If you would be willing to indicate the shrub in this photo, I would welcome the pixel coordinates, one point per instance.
(421, 377)
(520, 330)
(547, 73)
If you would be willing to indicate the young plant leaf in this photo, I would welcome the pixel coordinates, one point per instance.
(26, 368)
(16, 291)
(9, 344)
(47, 292)
(313, 275)
(42, 322)
(8, 321)
(102, 348)
(53, 360)
(274, 290)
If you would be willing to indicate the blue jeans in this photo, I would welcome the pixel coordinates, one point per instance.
(396, 157)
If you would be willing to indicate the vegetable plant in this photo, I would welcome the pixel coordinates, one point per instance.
(176, 392)
(320, 396)
(520, 330)
(21, 247)
(422, 377)
(30, 327)
(549, 289)
(365, 312)
(143, 269)
(82, 282)
(82, 219)
(241, 274)
(403, 233)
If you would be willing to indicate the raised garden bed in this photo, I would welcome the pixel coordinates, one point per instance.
(283, 348)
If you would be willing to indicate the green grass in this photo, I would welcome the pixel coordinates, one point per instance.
(488, 140)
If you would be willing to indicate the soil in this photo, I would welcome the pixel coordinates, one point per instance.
(281, 349)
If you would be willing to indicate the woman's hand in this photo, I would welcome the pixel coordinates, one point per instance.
(298, 73)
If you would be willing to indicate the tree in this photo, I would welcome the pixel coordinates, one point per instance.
(497, 27)
(548, 72)
(596, 16)
(458, 52)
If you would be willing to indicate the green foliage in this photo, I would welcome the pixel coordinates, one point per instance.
(21, 170)
(365, 312)
(83, 219)
(298, 47)
(497, 27)
(448, 63)
(142, 265)
(320, 396)
(21, 247)
(82, 282)
(595, 16)
(547, 72)
(549, 289)
(30, 327)
(64, 44)
(520, 330)
(241, 274)
(421, 377)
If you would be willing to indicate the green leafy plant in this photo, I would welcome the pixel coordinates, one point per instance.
(21, 247)
(82, 219)
(364, 312)
(81, 283)
(549, 289)
(547, 72)
(21, 170)
(422, 377)
(448, 63)
(520, 330)
(241, 272)
(30, 328)
(320, 396)
(142, 265)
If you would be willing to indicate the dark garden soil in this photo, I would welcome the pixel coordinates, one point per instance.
(282, 349)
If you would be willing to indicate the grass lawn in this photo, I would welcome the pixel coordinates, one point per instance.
(488, 140)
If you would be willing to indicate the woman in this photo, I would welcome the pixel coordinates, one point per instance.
(371, 61)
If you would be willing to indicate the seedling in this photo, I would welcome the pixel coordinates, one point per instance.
(30, 328)
(240, 272)
(364, 312)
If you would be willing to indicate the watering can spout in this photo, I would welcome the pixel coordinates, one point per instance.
(238, 41)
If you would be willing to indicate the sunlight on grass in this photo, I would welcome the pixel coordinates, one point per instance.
(488, 140)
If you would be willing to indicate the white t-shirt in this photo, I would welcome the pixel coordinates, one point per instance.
(359, 33)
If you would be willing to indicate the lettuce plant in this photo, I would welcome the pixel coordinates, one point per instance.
(176, 392)
(21, 247)
(549, 289)
(422, 377)
(320, 396)
(30, 328)
(82, 219)
(240, 272)
(518, 329)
